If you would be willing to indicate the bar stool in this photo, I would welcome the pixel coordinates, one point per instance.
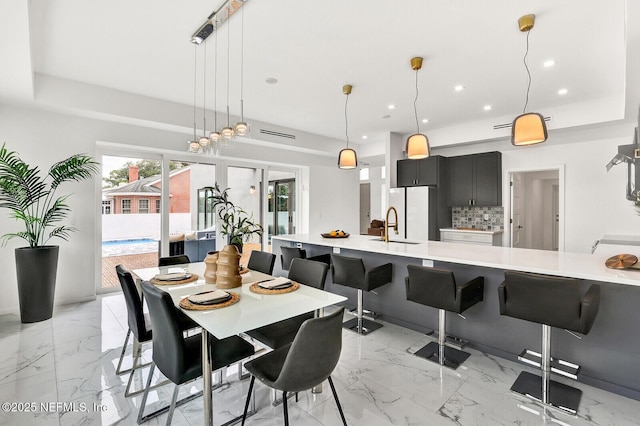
(552, 302)
(438, 288)
(350, 272)
(290, 253)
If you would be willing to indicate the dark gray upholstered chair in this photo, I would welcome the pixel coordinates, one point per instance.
(290, 253)
(552, 302)
(281, 333)
(350, 272)
(303, 364)
(178, 259)
(261, 261)
(438, 288)
(180, 358)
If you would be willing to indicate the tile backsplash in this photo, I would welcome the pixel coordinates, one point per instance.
(474, 217)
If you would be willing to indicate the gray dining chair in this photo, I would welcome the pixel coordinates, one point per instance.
(261, 261)
(179, 358)
(303, 364)
(178, 259)
(281, 333)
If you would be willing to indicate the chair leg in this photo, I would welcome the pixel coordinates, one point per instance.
(174, 398)
(359, 324)
(284, 406)
(335, 396)
(439, 352)
(146, 393)
(246, 404)
(124, 349)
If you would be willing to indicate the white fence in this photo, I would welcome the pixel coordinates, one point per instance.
(132, 226)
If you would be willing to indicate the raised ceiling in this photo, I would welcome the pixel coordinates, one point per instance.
(313, 48)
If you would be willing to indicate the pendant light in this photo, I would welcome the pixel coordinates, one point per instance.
(417, 144)
(204, 140)
(347, 159)
(528, 128)
(242, 128)
(228, 132)
(215, 136)
(194, 144)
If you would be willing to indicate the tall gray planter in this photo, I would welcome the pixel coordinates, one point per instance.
(36, 270)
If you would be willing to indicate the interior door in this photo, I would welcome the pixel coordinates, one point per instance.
(365, 207)
(516, 210)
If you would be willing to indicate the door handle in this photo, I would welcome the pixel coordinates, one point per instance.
(520, 226)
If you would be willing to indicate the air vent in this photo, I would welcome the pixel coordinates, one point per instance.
(278, 134)
(508, 125)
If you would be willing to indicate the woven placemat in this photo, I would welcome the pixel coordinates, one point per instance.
(192, 278)
(255, 288)
(186, 304)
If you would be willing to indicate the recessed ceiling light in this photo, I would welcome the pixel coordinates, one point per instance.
(458, 88)
(549, 63)
(563, 91)
(365, 137)
(392, 106)
(271, 80)
(425, 120)
(386, 116)
(487, 107)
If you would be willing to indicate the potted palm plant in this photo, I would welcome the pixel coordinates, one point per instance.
(31, 199)
(236, 224)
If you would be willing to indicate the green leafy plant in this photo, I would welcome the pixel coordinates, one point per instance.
(236, 224)
(31, 198)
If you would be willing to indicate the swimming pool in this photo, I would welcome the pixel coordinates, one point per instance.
(130, 241)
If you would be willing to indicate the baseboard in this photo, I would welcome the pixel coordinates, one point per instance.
(16, 309)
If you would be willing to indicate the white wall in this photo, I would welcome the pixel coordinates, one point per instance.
(127, 226)
(43, 137)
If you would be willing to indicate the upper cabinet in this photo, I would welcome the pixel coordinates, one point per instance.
(423, 172)
(475, 180)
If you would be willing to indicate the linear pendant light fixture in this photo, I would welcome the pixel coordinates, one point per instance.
(347, 159)
(417, 144)
(528, 128)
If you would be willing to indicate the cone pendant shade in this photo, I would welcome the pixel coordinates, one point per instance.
(347, 159)
(528, 129)
(417, 146)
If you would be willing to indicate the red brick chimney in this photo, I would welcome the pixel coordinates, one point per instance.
(133, 173)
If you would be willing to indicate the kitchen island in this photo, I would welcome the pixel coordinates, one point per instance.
(609, 354)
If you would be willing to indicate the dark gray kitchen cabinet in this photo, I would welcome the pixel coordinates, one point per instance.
(423, 172)
(475, 180)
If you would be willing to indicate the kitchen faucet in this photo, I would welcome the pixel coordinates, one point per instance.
(387, 224)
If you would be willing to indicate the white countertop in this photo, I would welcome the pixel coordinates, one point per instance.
(479, 231)
(576, 265)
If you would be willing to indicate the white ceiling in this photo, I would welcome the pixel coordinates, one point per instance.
(313, 48)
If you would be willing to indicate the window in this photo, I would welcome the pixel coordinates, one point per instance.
(157, 206)
(143, 206)
(106, 207)
(126, 206)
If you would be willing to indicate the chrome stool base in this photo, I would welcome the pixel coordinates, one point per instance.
(452, 357)
(563, 397)
(366, 327)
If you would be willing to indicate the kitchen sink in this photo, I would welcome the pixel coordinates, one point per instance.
(398, 241)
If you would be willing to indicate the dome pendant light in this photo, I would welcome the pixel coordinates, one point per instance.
(417, 144)
(194, 144)
(242, 128)
(228, 132)
(215, 136)
(347, 159)
(204, 140)
(528, 128)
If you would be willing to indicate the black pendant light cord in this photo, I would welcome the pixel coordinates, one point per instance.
(415, 100)
(242, 65)
(204, 92)
(524, 60)
(346, 121)
(215, 81)
(228, 58)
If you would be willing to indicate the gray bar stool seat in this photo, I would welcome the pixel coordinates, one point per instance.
(350, 272)
(438, 288)
(552, 302)
(290, 253)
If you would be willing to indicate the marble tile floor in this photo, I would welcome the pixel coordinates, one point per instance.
(63, 371)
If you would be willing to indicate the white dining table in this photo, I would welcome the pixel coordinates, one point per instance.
(252, 311)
